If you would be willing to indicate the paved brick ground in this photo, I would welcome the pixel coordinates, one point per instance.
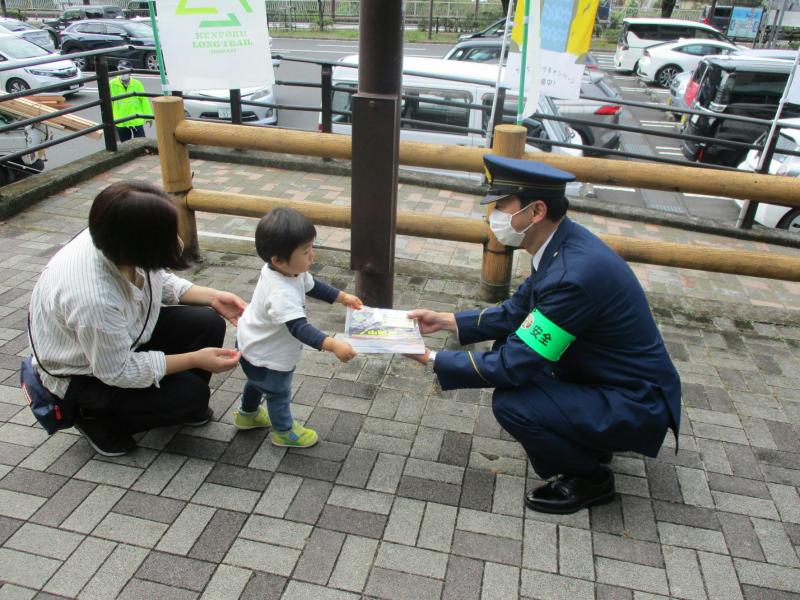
(413, 492)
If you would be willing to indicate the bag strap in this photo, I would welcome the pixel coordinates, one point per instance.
(136, 341)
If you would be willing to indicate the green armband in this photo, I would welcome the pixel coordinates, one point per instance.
(543, 336)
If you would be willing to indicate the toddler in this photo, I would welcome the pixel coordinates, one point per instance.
(273, 328)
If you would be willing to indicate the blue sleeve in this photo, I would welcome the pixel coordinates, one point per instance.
(306, 332)
(495, 322)
(323, 291)
(515, 363)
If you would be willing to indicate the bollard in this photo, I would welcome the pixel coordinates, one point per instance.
(175, 171)
(509, 140)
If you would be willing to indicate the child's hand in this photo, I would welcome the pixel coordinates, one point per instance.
(353, 302)
(344, 351)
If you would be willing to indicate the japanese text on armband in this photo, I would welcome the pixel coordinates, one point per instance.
(543, 336)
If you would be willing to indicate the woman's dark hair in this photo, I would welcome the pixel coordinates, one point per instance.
(280, 232)
(136, 223)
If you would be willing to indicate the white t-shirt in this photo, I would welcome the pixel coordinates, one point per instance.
(261, 334)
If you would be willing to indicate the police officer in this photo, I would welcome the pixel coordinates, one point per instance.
(128, 108)
(579, 367)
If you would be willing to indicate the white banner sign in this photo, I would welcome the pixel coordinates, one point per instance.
(559, 76)
(215, 44)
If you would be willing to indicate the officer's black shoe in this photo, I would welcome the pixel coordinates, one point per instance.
(200, 420)
(605, 457)
(568, 493)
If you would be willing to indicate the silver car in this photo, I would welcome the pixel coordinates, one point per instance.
(37, 36)
(218, 105)
(605, 111)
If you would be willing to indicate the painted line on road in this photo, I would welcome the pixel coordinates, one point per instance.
(337, 46)
(633, 89)
(706, 196)
(626, 77)
(666, 148)
(613, 188)
(657, 126)
(226, 236)
(671, 153)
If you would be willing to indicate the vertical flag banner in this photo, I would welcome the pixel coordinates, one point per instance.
(565, 34)
(215, 44)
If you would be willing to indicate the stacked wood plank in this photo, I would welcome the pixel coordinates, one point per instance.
(25, 108)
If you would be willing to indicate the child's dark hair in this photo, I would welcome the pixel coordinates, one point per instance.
(280, 232)
(136, 223)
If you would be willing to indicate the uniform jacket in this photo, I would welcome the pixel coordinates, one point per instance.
(134, 105)
(584, 290)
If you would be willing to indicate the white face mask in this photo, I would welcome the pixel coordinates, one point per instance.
(500, 224)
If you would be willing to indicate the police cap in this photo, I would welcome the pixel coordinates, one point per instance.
(527, 179)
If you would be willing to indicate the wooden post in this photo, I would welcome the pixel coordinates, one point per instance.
(509, 140)
(175, 171)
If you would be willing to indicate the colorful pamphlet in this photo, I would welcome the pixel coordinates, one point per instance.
(382, 331)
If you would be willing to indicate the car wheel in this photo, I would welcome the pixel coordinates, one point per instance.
(151, 61)
(666, 74)
(15, 84)
(791, 221)
(84, 63)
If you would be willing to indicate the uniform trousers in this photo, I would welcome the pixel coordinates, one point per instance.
(181, 397)
(555, 446)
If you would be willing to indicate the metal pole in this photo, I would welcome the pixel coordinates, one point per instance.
(106, 110)
(327, 98)
(430, 21)
(151, 6)
(236, 106)
(503, 46)
(376, 150)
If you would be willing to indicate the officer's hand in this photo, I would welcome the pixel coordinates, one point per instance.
(420, 358)
(431, 322)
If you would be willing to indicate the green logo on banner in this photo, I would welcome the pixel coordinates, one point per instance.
(543, 336)
(231, 21)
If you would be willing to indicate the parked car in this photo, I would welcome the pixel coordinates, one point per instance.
(487, 50)
(425, 119)
(639, 33)
(773, 215)
(17, 140)
(493, 30)
(218, 105)
(721, 18)
(79, 13)
(14, 50)
(661, 62)
(138, 8)
(732, 85)
(677, 89)
(95, 34)
(37, 36)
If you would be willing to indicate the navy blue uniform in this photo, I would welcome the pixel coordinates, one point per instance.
(614, 387)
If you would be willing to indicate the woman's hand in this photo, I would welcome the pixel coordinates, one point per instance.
(228, 305)
(431, 322)
(216, 360)
(350, 300)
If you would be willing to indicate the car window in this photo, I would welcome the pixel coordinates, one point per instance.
(694, 49)
(94, 13)
(642, 31)
(96, 28)
(753, 88)
(496, 30)
(72, 14)
(488, 54)
(343, 101)
(112, 11)
(709, 49)
(423, 107)
(14, 47)
(458, 54)
(114, 30)
(141, 30)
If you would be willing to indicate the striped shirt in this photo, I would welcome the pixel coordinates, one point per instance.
(85, 314)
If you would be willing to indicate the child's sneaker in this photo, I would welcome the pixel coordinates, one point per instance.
(297, 437)
(260, 419)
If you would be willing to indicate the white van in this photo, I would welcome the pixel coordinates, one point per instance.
(423, 120)
(639, 33)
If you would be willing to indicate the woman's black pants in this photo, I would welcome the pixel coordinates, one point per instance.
(181, 397)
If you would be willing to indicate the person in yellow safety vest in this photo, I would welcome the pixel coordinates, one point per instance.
(126, 107)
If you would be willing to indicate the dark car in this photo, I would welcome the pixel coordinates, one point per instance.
(721, 18)
(80, 13)
(104, 33)
(493, 30)
(732, 85)
(138, 8)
